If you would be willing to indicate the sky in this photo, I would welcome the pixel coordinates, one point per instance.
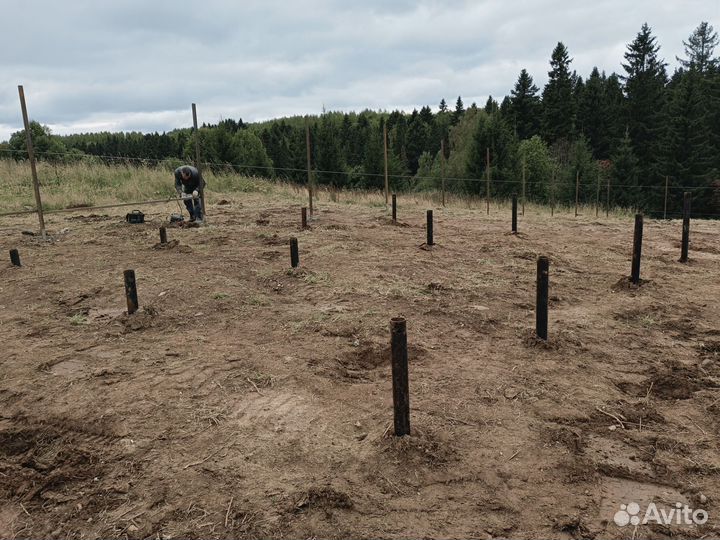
(137, 65)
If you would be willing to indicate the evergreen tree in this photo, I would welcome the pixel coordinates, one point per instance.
(525, 106)
(506, 110)
(427, 115)
(328, 154)
(644, 87)
(557, 99)
(592, 115)
(624, 175)
(493, 132)
(689, 152)
(415, 141)
(459, 111)
(615, 116)
(699, 49)
(491, 105)
(443, 106)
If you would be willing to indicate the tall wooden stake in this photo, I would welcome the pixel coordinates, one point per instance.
(442, 168)
(130, 291)
(387, 183)
(400, 382)
(487, 183)
(541, 298)
(31, 156)
(607, 202)
(577, 191)
(666, 197)
(637, 250)
(196, 133)
(523, 186)
(309, 174)
(685, 228)
(597, 196)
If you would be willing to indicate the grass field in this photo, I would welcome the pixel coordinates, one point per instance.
(88, 184)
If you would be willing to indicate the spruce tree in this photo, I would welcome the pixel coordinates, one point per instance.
(699, 49)
(459, 111)
(645, 81)
(624, 175)
(525, 106)
(592, 115)
(615, 119)
(491, 106)
(558, 107)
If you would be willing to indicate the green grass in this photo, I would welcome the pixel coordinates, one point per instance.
(78, 319)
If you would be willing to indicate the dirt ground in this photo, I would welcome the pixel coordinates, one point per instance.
(248, 400)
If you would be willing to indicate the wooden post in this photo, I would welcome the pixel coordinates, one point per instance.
(552, 194)
(442, 168)
(685, 228)
(303, 218)
(541, 299)
(400, 382)
(607, 202)
(523, 186)
(394, 208)
(196, 133)
(309, 174)
(487, 183)
(666, 197)
(577, 191)
(15, 257)
(597, 196)
(163, 235)
(31, 157)
(385, 144)
(637, 249)
(429, 228)
(131, 291)
(514, 214)
(294, 253)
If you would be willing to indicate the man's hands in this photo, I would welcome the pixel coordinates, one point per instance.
(184, 196)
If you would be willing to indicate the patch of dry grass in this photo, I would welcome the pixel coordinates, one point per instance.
(91, 183)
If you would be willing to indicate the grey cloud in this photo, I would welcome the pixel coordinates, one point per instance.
(133, 64)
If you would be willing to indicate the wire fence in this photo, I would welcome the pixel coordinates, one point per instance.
(600, 189)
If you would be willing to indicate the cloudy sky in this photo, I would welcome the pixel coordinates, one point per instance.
(93, 65)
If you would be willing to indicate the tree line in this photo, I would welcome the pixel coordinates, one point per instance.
(641, 130)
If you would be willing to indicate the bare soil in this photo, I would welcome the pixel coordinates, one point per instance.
(246, 399)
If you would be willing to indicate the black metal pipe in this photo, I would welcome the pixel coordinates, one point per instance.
(685, 228)
(15, 257)
(401, 387)
(637, 249)
(430, 228)
(294, 254)
(541, 303)
(163, 235)
(394, 208)
(131, 291)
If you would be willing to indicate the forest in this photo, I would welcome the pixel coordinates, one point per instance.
(636, 135)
